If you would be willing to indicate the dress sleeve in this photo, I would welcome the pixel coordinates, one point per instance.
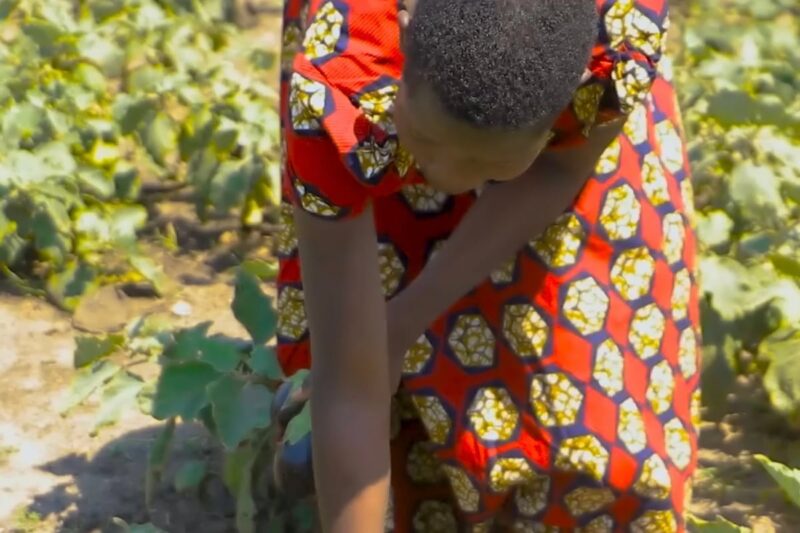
(622, 69)
(341, 147)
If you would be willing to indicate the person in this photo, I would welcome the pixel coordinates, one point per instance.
(490, 204)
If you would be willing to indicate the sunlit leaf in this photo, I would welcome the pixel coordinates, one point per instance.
(239, 407)
(89, 348)
(86, 381)
(190, 475)
(181, 390)
(119, 396)
(253, 309)
(788, 478)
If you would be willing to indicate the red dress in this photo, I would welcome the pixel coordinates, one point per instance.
(564, 388)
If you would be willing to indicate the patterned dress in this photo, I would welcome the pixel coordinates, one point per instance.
(563, 390)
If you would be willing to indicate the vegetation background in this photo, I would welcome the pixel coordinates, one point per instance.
(138, 177)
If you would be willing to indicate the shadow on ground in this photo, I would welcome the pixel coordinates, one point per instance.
(111, 484)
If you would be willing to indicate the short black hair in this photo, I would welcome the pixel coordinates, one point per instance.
(505, 64)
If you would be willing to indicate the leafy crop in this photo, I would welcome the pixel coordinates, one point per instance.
(741, 100)
(227, 384)
(100, 98)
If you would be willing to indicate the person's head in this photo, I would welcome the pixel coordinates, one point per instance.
(484, 80)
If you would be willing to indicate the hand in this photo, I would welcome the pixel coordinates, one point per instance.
(292, 470)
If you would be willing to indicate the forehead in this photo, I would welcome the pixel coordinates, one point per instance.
(431, 121)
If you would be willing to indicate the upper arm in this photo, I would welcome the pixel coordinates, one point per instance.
(344, 303)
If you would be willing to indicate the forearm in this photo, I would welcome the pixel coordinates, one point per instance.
(350, 393)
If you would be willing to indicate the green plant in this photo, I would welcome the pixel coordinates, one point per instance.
(741, 101)
(225, 383)
(100, 97)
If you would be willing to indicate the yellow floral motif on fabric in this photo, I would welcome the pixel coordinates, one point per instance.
(679, 447)
(674, 232)
(306, 103)
(314, 203)
(601, 524)
(378, 106)
(286, 240)
(466, 494)
(655, 522)
(681, 294)
(671, 146)
(374, 158)
(654, 481)
(636, 125)
(625, 22)
(508, 472)
(525, 330)
(472, 341)
(493, 415)
(632, 82)
(647, 330)
(292, 323)
(292, 35)
(631, 427)
(695, 408)
(632, 273)
(504, 274)
(561, 242)
(391, 268)
(687, 353)
(609, 160)
(609, 367)
(417, 356)
(661, 388)
(324, 32)
(584, 500)
(586, 306)
(687, 195)
(555, 400)
(423, 198)
(586, 103)
(654, 180)
(435, 418)
(584, 454)
(532, 497)
(434, 517)
(621, 212)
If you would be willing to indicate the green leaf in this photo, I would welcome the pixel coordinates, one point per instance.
(720, 525)
(89, 349)
(86, 381)
(253, 309)
(23, 121)
(94, 181)
(782, 379)
(188, 343)
(6, 7)
(181, 390)
(299, 426)
(263, 270)
(236, 466)
(221, 353)
(264, 362)
(67, 286)
(151, 271)
(190, 475)
(103, 9)
(756, 188)
(160, 137)
(714, 228)
(91, 77)
(45, 34)
(119, 395)
(786, 264)
(157, 460)
(787, 478)
(136, 528)
(239, 408)
(130, 113)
